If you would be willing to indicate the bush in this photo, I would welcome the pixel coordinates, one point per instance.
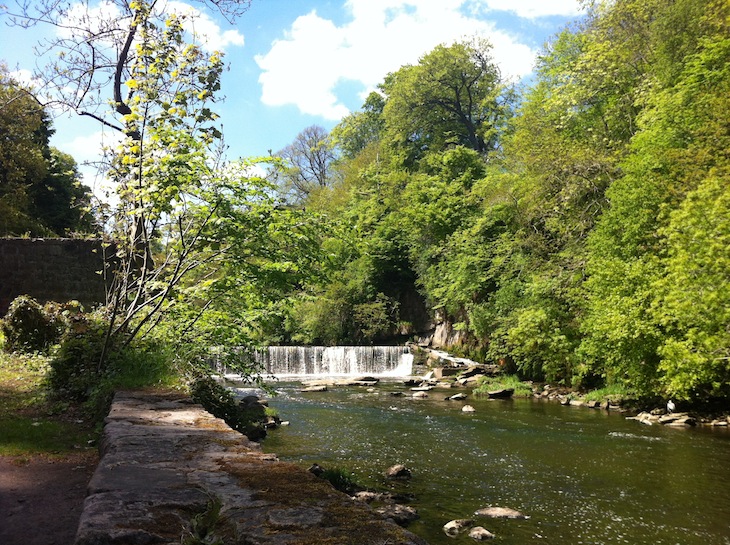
(28, 327)
(75, 367)
(221, 403)
(78, 374)
(486, 384)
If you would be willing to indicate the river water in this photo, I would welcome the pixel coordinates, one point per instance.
(583, 476)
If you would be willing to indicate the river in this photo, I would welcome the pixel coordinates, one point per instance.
(583, 476)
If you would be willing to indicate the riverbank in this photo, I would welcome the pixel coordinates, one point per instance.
(447, 371)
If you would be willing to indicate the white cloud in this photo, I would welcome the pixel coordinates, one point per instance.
(532, 9)
(82, 20)
(88, 147)
(24, 77)
(91, 21)
(207, 31)
(305, 67)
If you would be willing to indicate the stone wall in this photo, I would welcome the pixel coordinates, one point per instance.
(171, 472)
(51, 270)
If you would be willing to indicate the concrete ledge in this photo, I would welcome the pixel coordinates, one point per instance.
(167, 466)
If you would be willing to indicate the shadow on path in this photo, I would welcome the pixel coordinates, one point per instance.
(42, 498)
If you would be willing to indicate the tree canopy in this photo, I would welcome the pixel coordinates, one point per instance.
(40, 188)
(576, 232)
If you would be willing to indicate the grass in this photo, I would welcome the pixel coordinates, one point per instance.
(341, 479)
(614, 394)
(29, 423)
(487, 384)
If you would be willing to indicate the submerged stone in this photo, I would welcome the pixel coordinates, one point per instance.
(500, 512)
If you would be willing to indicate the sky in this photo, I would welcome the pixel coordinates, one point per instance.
(296, 63)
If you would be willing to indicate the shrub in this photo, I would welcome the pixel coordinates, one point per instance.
(75, 367)
(221, 403)
(78, 374)
(27, 327)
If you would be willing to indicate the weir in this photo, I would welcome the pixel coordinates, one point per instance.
(330, 361)
(336, 361)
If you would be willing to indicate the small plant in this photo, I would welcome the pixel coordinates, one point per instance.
(615, 394)
(220, 402)
(341, 479)
(203, 525)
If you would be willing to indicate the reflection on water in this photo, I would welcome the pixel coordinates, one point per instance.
(584, 476)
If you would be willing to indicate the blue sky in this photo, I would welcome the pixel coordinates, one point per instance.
(295, 63)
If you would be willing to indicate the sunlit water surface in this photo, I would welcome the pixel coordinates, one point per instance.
(583, 476)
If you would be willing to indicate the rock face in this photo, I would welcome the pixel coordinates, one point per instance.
(167, 464)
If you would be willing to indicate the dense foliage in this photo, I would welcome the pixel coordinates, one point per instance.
(40, 188)
(577, 231)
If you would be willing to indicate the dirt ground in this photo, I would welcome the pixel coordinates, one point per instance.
(41, 498)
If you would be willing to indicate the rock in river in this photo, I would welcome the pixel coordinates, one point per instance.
(500, 512)
(400, 514)
(398, 471)
(455, 527)
(478, 533)
(504, 393)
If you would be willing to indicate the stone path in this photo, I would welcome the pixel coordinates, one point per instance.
(170, 471)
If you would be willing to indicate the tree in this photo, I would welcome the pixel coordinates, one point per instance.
(644, 250)
(453, 96)
(94, 50)
(359, 130)
(307, 164)
(24, 133)
(40, 189)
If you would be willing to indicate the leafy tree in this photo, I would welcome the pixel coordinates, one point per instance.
(23, 130)
(40, 188)
(202, 248)
(693, 300)
(359, 130)
(453, 96)
(308, 164)
(94, 50)
(674, 159)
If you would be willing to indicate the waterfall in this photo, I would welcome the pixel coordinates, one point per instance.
(333, 361)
